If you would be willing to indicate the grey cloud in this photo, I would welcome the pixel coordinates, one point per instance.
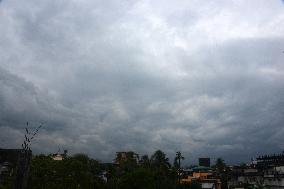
(106, 77)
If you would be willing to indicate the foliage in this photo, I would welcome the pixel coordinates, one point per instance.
(221, 169)
(129, 172)
(126, 163)
(220, 165)
(145, 161)
(160, 161)
(140, 178)
(78, 171)
(161, 168)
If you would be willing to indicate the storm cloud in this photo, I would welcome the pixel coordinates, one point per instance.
(203, 77)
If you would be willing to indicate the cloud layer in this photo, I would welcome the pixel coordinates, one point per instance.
(203, 77)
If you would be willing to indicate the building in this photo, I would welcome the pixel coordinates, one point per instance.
(265, 171)
(204, 162)
(203, 175)
(58, 156)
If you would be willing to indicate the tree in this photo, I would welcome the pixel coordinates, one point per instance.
(126, 161)
(220, 165)
(74, 172)
(160, 166)
(159, 160)
(140, 178)
(145, 161)
(177, 165)
(221, 169)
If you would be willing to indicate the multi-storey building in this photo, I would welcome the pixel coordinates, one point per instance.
(207, 178)
(265, 171)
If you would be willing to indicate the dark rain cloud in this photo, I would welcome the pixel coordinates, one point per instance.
(112, 76)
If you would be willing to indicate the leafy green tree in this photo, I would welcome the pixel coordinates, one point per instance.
(160, 166)
(159, 160)
(74, 172)
(140, 178)
(126, 161)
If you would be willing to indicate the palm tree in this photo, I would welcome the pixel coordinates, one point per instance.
(177, 164)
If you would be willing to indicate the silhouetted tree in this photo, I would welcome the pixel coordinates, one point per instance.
(140, 178)
(145, 161)
(160, 166)
(221, 169)
(177, 160)
(159, 160)
(74, 172)
(220, 165)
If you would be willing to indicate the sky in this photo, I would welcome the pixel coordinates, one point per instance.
(202, 77)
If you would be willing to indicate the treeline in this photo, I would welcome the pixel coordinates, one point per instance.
(128, 172)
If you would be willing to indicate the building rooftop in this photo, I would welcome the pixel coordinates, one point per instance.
(201, 168)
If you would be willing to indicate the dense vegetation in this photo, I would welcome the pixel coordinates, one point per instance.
(80, 171)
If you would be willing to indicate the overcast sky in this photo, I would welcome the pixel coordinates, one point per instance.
(202, 77)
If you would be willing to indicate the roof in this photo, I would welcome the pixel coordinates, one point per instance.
(201, 168)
